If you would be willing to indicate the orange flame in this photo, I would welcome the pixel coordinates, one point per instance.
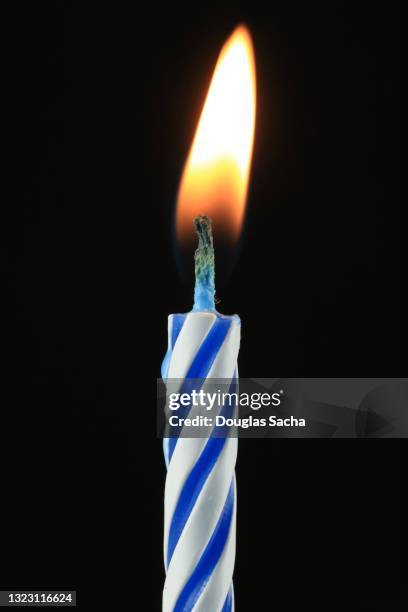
(215, 177)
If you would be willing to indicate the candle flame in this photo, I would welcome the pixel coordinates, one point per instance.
(215, 178)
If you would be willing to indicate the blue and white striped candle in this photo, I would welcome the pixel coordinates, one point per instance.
(200, 494)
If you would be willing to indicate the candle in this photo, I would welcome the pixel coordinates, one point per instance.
(203, 345)
(200, 497)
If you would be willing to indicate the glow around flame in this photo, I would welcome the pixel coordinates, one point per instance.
(216, 174)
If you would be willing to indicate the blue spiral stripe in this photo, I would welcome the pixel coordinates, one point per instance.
(191, 490)
(202, 363)
(178, 322)
(197, 478)
(227, 607)
(208, 560)
(209, 348)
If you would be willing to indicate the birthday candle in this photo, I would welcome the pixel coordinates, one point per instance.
(200, 494)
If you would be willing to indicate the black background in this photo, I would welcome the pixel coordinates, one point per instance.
(102, 106)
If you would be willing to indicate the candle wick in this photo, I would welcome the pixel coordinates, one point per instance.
(204, 265)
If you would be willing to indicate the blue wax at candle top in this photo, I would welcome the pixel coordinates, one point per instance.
(204, 293)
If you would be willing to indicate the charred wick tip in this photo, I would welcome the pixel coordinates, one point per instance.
(203, 226)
